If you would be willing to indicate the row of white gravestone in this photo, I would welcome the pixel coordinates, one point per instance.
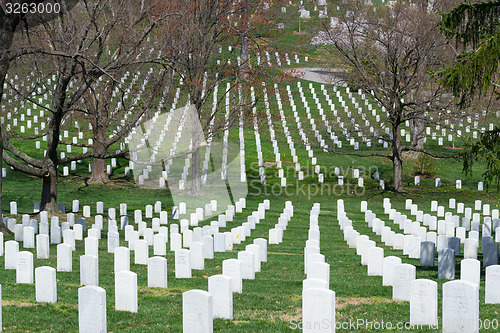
(318, 301)
(428, 129)
(450, 226)
(202, 246)
(450, 137)
(318, 135)
(290, 140)
(470, 271)
(314, 262)
(413, 245)
(69, 236)
(460, 305)
(454, 225)
(199, 306)
(276, 233)
(89, 263)
(423, 298)
(125, 281)
(317, 168)
(442, 242)
(214, 240)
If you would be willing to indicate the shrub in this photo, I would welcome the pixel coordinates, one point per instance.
(424, 165)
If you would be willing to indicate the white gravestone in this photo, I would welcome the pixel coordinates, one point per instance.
(92, 246)
(141, 252)
(318, 307)
(460, 307)
(122, 259)
(182, 264)
(232, 269)
(92, 309)
(375, 258)
(424, 303)
(262, 242)
(314, 283)
(126, 291)
(219, 242)
(197, 259)
(24, 267)
(113, 241)
(159, 245)
(64, 258)
(470, 270)
(175, 241)
(220, 286)
(402, 276)
(157, 272)
(492, 285)
(319, 270)
(247, 264)
(197, 312)
(29, 237)
(45, 284)
(388, 269)
(255, 249)
(89, 270)
(11, 251)
(42, 247)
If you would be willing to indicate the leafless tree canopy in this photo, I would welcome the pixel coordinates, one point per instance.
(390, 52)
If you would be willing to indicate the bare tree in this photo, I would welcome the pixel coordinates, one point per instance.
(390, 53)
(201, 50)
(100, 39)
(10, 22)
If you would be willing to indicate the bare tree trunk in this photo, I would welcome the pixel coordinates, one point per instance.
(397, 162)
(7, 26)
(3, 227)
(99, 173)
(417, 127)
(196, 158)
(195, 175)
(244, 39)
(49, 189)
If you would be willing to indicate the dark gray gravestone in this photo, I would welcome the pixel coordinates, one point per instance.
(487, 229)
(61, 208)
(454, 244)
(427, 253)
(44, 228)
(490, 254)
(81, 221)
(55, 234)
(175, 213)
(466, 223)
(446, 264)
(34, 225)
(123, 222)
(496, 224)
(475, 226)
(485, 240)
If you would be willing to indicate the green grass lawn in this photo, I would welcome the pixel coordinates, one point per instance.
(271, 302)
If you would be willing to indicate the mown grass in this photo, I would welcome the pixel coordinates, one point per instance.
(272, 301)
